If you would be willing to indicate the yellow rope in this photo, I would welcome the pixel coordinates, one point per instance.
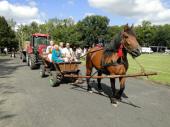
(142, 68)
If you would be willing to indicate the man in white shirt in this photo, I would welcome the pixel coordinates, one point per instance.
(68, 54)
(61, 47)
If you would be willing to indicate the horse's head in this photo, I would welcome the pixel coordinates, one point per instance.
(130, 42)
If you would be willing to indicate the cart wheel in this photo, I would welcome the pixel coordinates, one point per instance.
(42, 71)
(55, 78)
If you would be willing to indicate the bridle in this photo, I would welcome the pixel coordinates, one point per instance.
(124, 43)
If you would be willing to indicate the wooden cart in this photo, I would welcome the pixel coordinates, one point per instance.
(57, 71)
(57, 75)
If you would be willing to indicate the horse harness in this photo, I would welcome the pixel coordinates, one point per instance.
(113, 63)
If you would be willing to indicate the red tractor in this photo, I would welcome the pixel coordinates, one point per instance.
(35, 48)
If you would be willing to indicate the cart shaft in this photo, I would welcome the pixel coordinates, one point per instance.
(112, 76)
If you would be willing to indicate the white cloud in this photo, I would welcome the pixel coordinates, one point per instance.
(152, 10)
(20, 13)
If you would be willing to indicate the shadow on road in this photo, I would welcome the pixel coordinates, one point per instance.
(7, 67)
(107, 92)
(2, 101)
(5, 115)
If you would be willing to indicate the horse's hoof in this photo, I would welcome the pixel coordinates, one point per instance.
(115, 105)
(117, 102)
(90, 91)
(113, 101)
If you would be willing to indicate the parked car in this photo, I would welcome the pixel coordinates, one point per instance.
(167, 51)
(147, 50)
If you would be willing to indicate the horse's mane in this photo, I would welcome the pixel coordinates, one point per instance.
(112, 47)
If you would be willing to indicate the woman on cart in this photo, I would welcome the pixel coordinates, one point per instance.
(56, 55)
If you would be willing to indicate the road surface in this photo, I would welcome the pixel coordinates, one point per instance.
(26, 100)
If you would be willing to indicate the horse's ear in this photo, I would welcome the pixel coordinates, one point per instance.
(126, 27)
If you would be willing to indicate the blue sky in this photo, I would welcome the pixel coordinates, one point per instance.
(118, 11)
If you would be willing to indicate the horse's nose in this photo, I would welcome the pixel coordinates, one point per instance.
(138, 51)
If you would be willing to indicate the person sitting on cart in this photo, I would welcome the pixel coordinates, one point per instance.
(69, 54)
(61, 47)
(56, 55)
(49, 50)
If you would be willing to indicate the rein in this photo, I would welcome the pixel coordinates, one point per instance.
(91, 52)
(140, 65)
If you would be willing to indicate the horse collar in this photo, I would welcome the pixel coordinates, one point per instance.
(120, 52)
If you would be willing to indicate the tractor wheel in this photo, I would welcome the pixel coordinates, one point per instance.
(32, 62)
(55, 78)
(42, 71)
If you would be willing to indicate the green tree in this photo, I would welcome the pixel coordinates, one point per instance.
(23, 34)
(162, 37)
(34, 28)
(7, 35)
(93, 29)
(64, 30)
(113, 30)
(145, 33)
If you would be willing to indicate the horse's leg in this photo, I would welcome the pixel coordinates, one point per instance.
(88, 73)
(113, 99)
(122, 87)
(99, 82)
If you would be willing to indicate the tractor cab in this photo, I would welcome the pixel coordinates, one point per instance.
(38, 45)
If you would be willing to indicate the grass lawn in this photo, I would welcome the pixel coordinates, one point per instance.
(159, 63)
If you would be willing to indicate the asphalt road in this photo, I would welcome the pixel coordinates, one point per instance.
(26, 100)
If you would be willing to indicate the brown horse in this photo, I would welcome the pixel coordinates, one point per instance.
(112, 59)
